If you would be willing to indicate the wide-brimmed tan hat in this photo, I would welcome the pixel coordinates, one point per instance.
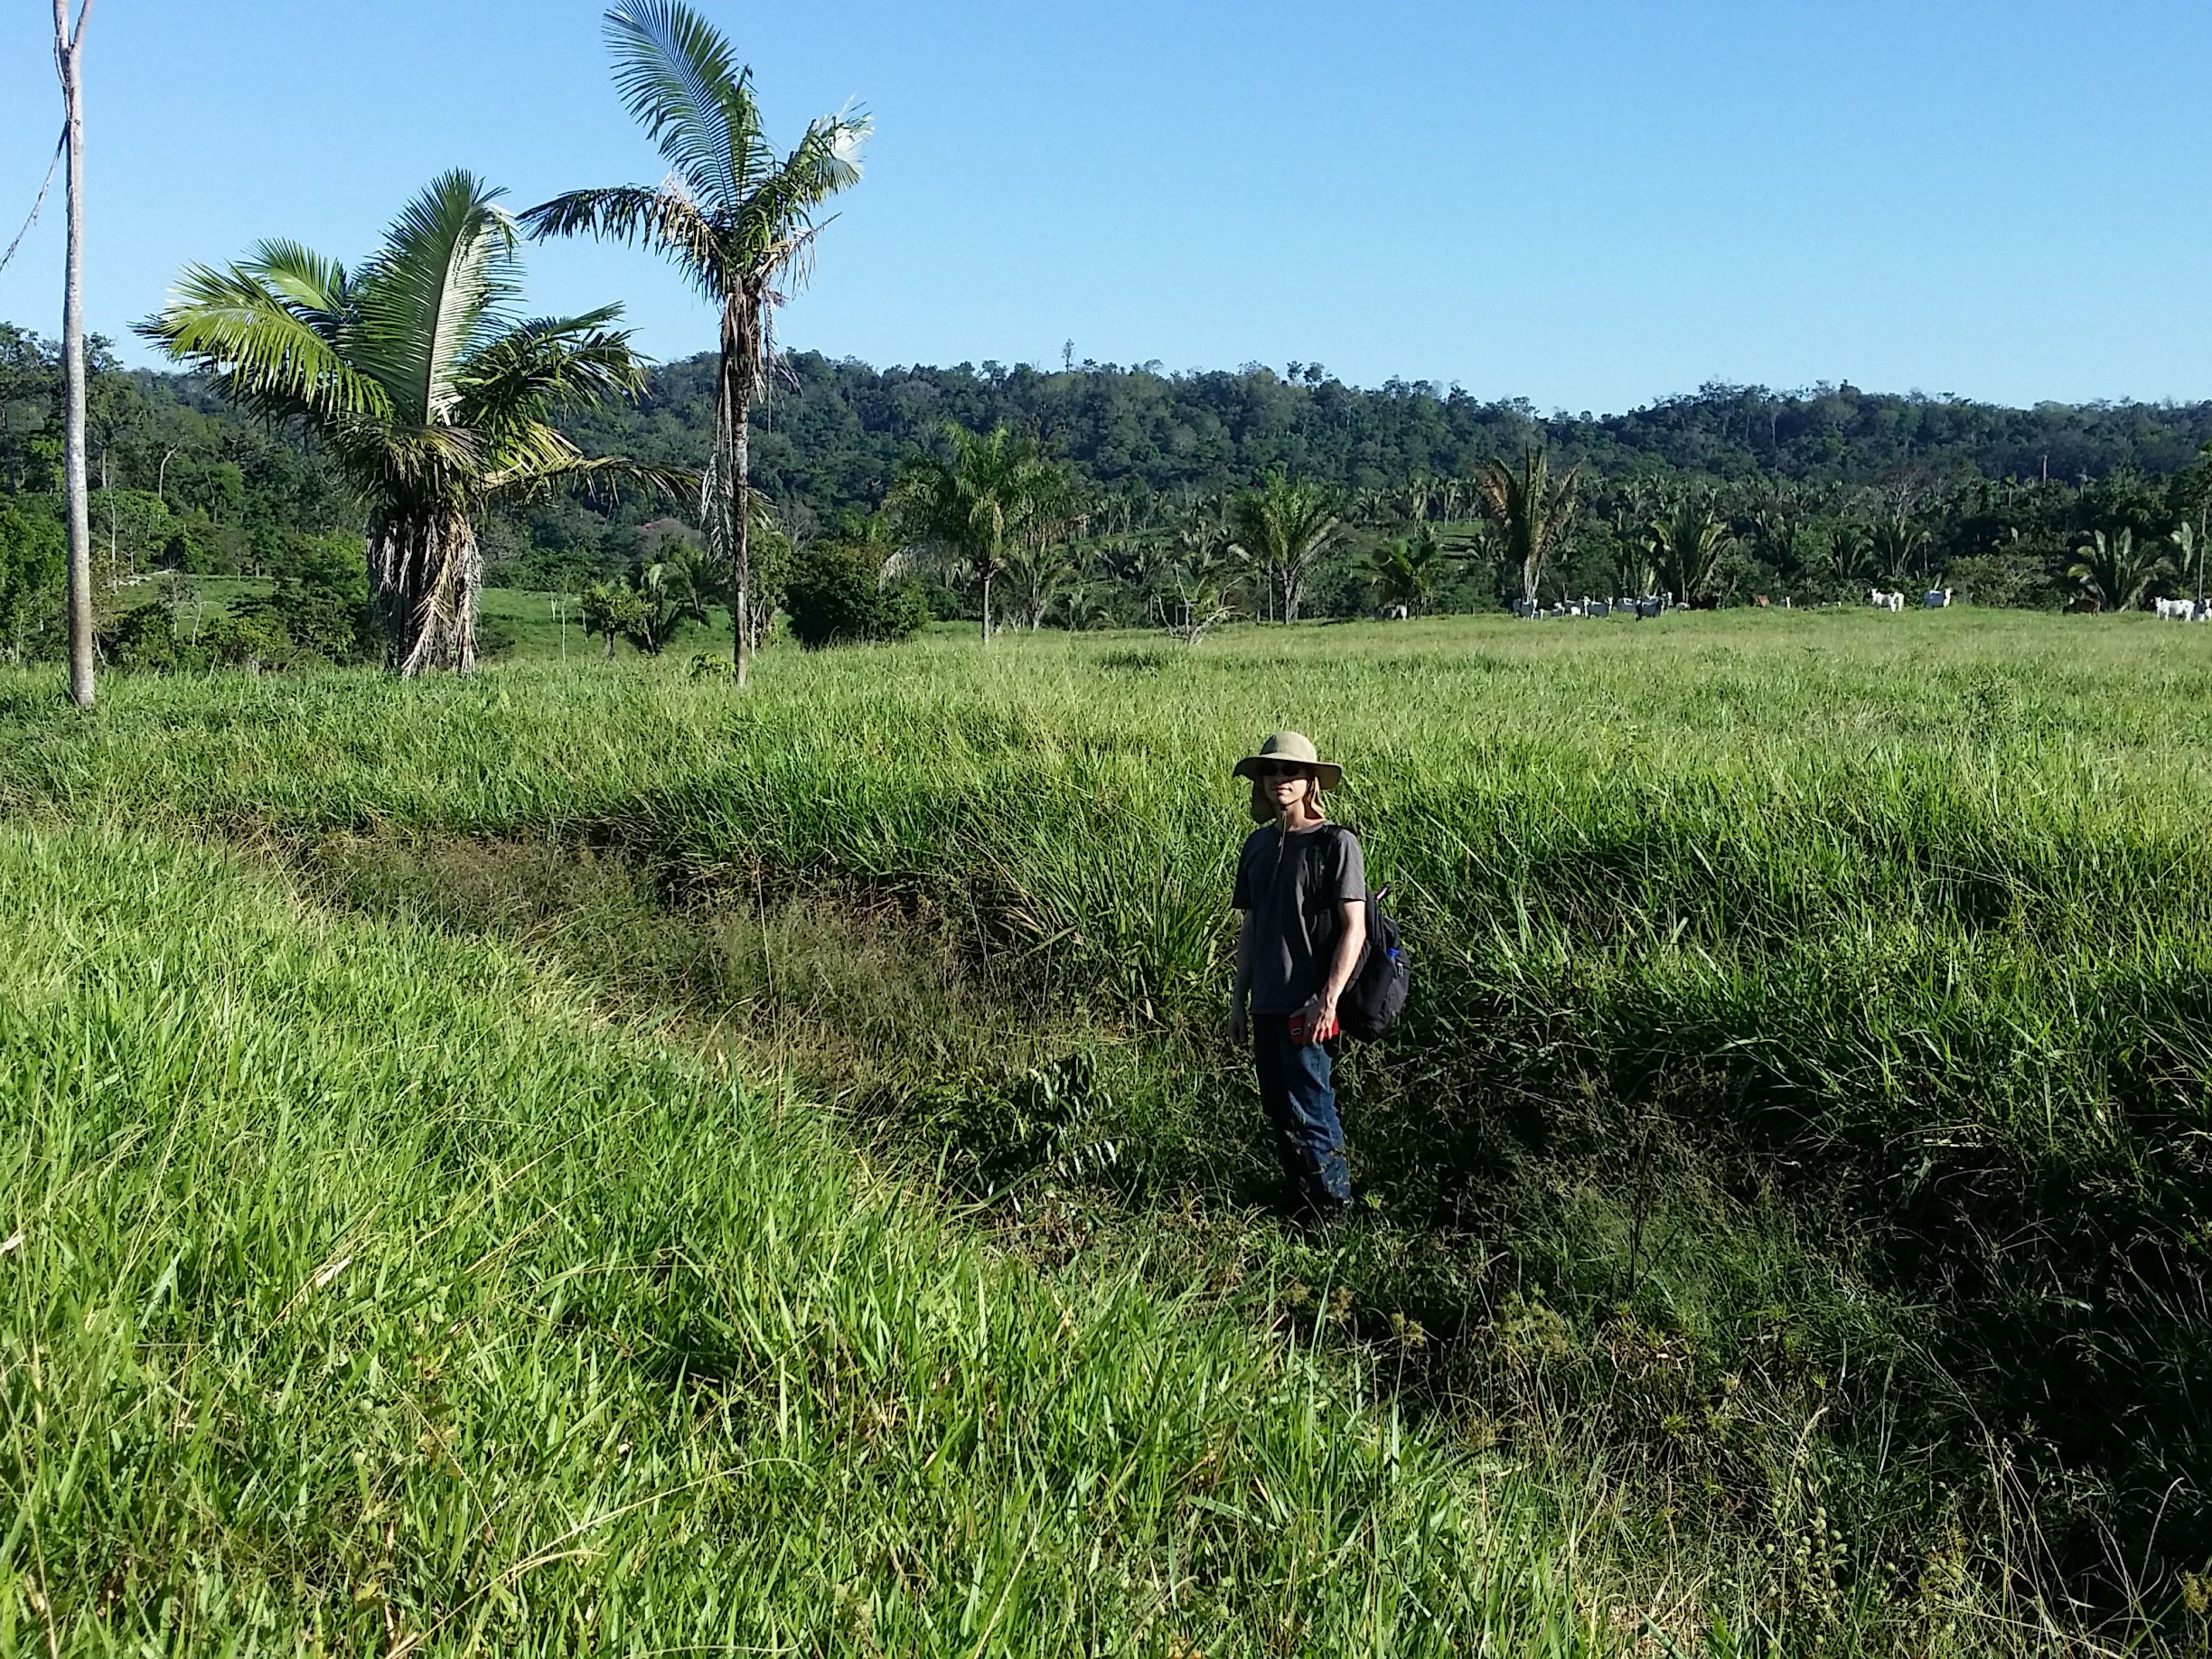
(1292, 749)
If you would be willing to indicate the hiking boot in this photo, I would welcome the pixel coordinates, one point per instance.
(1319, 1220)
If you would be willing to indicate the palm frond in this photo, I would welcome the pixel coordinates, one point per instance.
(548, 365)
(663, 218)
(405, 468)
(436, 293)
(601, 478)
(682, 84)
(269, 357)
(315, 288)
(783, 199)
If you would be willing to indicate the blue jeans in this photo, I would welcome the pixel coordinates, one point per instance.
(1302, 1106)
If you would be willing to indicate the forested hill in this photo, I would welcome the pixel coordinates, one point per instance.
(835, 432)
(181, 481)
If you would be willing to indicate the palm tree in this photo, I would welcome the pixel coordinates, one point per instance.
(1037, 574)
(1283, 527)
(2192, 544)
(1193, 594)
(1778, 516)
(418, 381)
(1405, 572)
(1851, 549)
(1530, 511)
(984, 499)
(1686, 544)
(736, 218)
(673, 587)
(1898, 540)
(2115, 571)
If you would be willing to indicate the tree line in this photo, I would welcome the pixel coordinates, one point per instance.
(1720, 497)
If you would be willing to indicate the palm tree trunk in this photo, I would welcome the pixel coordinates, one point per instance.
(734, 416)
(68, 50)
(426, 573)
(987, 574)
(741, 508)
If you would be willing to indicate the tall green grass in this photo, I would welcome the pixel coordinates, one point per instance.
(1812, 1010)
(361, 1294)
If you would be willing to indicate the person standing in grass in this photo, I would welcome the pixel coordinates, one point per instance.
(1302, 885)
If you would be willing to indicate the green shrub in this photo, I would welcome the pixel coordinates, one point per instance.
(321, 600)
(833, 595)
(252, 638)
(496, 637)
(145, 642)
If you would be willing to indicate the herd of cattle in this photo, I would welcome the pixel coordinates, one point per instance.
(1587, 606)
(1934, 599)
(1882, 599)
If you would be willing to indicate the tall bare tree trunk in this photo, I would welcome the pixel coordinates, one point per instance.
(733, 439)
(741, 508)
(68, 59)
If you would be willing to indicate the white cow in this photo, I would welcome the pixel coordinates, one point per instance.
(2175, 610)
(1882, 601)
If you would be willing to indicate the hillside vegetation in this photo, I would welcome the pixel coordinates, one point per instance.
(1814, 494)
(1790, 1184)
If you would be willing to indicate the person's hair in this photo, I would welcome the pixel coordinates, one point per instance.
(1263, 809)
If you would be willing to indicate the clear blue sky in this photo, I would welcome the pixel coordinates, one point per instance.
(1586, 202)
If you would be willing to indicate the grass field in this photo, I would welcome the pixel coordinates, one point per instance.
(1788, 1204)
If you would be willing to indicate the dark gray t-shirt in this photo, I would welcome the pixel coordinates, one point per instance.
(1292, 886)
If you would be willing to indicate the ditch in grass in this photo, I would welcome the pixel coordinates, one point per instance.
(365, 1293)
(1644, 1337)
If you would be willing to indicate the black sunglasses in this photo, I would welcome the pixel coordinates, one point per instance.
(1268, 774)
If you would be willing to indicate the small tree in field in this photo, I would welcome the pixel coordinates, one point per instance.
(1283, 527)
(983, 500)
(1530, 509)
(736, 217)
(611, 610)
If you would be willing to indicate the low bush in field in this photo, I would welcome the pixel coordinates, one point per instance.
(833, 595)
